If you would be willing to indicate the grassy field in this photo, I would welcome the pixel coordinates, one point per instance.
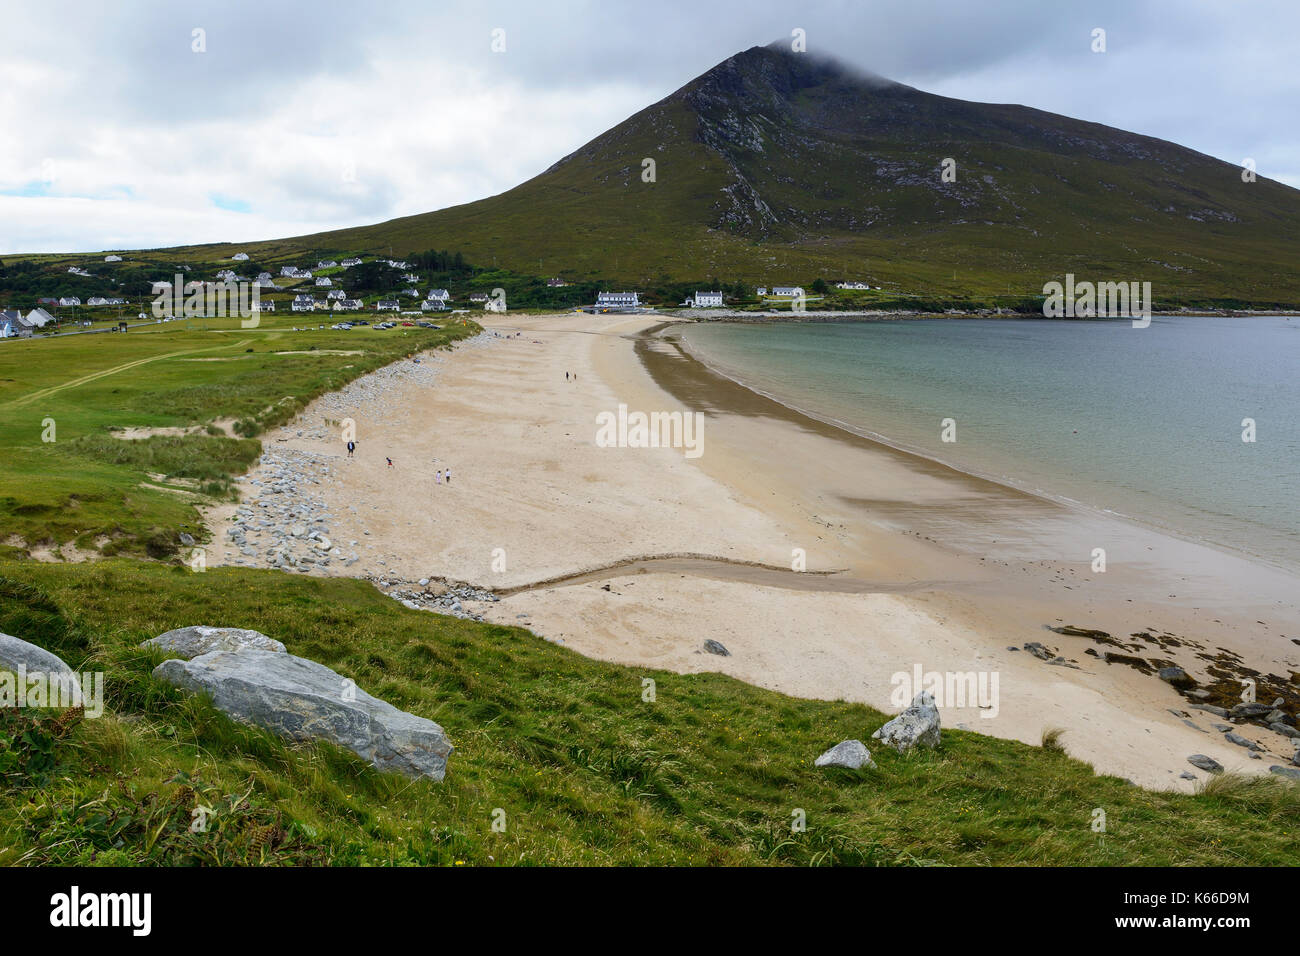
(564, 750)
(584, 770)
(66, 478)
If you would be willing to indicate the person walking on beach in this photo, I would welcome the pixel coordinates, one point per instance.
(438, 477)
(390, 462)
(566, 376)
(352, 446)
(448, 476)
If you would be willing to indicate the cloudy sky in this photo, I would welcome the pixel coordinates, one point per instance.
(141, 124)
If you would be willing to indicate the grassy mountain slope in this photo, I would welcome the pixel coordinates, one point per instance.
(776, 167)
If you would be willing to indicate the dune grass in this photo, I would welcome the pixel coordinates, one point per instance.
(563, 753)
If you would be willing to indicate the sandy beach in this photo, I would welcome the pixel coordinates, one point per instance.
(643, 554)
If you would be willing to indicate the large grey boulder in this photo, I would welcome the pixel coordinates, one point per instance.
(27, 659)
(302, 700)
(192, 642)
(918, 724)
(1285, 772)
(851, 754)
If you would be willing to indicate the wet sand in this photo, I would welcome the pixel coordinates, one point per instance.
(639, 555)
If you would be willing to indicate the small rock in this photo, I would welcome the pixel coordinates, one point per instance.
(191, 642)
(1176, 677)
(851, 754)
(1208, 764)
(916, 725)
(713, 647)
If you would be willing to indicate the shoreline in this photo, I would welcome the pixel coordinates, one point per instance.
(664, 330)
(897, 594)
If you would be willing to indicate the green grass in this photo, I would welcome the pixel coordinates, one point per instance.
(585, 772)
(105, 493)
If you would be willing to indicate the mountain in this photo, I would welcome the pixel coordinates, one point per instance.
(777, 167)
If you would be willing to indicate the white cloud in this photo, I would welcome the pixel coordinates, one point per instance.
(332, 114)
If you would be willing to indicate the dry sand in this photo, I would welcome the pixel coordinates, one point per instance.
(935, 569)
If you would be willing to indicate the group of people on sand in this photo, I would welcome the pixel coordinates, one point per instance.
(568, 374)
(442, 475)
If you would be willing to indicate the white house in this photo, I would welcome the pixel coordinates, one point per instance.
(411, 292)
(349, 305)
(433, 305)
(112, 258)
(388, 305)
(477, 297)
(101, 300)
(326, 264)
(708, 300)
(336, 294)
(324, 281)
(788, 291)
(264, 306)
(617, 299)
(555, 283)
(37, 319)
(442, 294)
(240, 257)
(227, 275)
(852, 285)
(69, 300)
(303, 303)
(410, 277)
(494, 304)
(288, 271)
(349, 263)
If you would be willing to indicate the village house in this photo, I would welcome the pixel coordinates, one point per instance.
(324, 281)
(336, 294)
(303, 303)
(494, 304)
(264, 305)
(617, 300)
(78, 271)
(112, 258)
(289, 272)
(786, 291)
(38, 319)
(442, 294)
(708, 300)
(326, 264)
(433, 305)
(227, 275)
(69, 300)
(240, 257)
(852, 285)
(556, 283)
(103, 300)
(477, 297)
(410, 277)
(388, 305)
(415, 293)
(349, 305)
(762, 290)
(349, 263)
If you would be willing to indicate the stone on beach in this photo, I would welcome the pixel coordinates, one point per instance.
(713, 647)
(1208, 764)
(917, 725)
(302, 700)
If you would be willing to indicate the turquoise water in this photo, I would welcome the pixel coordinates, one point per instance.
(1146, 423)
